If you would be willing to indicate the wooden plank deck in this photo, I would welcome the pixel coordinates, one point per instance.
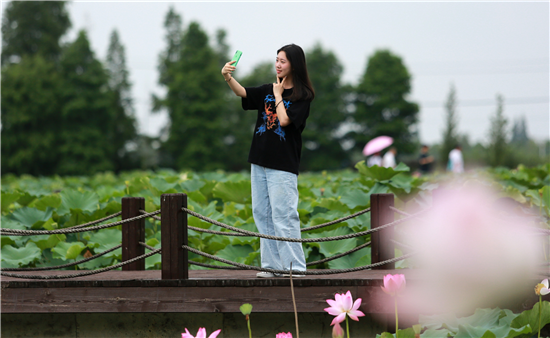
(204, 291)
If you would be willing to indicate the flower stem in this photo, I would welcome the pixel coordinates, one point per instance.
(540, 307)
(347, 326)
(396, 320)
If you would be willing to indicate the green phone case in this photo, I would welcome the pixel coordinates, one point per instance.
(237, 57)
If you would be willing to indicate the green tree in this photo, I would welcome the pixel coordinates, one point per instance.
(519, 132)
(498, 136)
(121, 103)
(31, 119)
(322, 150)
(196, 105)
(33, 27)
(88, 120)
(170, 56)
(381, 107)
(450, 134)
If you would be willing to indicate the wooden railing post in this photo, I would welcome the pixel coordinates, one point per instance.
(382, 248)
(133, 233)
(173, 235)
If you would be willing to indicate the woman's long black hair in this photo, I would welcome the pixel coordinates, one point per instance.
(303, 89)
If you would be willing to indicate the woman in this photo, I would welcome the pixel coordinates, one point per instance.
(283, 108)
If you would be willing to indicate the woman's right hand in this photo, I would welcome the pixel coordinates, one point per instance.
(228, 69)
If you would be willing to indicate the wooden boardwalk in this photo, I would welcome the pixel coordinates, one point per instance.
(206, 291)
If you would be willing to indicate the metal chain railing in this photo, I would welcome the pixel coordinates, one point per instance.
(64, 265)
(307, 272)
(18, 232)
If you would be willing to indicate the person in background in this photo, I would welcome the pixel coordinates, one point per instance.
(456, 162)
(425, 161)
(375, 159)
(388, 160)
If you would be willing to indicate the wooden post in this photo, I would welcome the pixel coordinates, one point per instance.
(133, 233)
(382, 248)
(173, 235)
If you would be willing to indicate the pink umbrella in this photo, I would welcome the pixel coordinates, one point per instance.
(377, 144)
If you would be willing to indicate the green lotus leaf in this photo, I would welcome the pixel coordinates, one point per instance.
(48, 201)
(355, 198)
(6, 240)
(238, 192)
(196, 196)
(48, 242)
(380, 173)
(407, 333)
(26, 198)
(235, 253)
(96, 263)
(86, 201)
(8, 198)
(333, 204)
(153, 262)
(191, 185)
(105, 239)
(162, 186)
(64, 250)
(441, 333)
(18, 257)
(153, 242)
(137, 185)
(207, 188)
(355, 259)
(531, 318)
(489, 331)
(31, 216)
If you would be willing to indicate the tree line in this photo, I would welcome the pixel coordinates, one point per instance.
(66, 112)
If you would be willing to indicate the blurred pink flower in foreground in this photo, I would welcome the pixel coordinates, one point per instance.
(343, 304)
(542, 288)
(471, 237)
(337, 331)
(393, 284)
(200, 334)
(283, 335)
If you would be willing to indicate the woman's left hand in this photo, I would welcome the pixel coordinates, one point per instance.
(278, 87)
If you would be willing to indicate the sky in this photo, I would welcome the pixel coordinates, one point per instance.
(483, 49)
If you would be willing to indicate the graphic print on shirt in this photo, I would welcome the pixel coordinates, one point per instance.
(270, 119)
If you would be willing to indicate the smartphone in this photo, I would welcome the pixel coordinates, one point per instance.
(236, 57)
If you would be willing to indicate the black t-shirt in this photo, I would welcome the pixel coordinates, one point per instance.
(426, 167)
(273, 146)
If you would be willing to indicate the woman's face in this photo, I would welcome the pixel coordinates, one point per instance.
(282, 65)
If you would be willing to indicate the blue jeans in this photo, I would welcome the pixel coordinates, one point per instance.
(275, 210)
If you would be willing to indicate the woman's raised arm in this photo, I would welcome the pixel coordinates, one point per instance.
(236, 87)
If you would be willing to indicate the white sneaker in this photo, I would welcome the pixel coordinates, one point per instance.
(264, 274)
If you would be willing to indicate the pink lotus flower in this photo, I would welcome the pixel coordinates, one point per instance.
(393, 284)
(343, 304)
(200, 334)
(283, 335)
(542, 288)
(337, 331)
